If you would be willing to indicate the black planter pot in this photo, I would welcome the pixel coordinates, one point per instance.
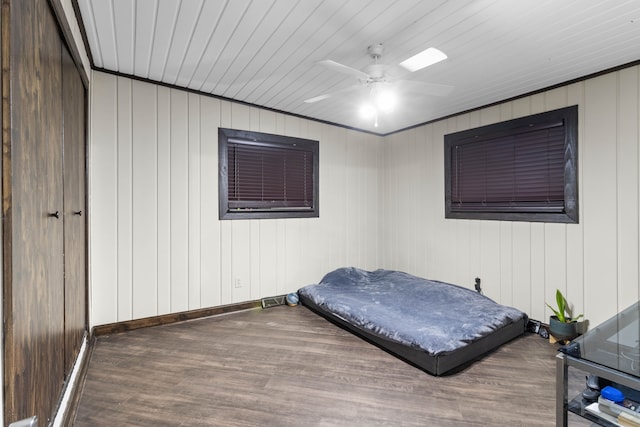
(561, 330)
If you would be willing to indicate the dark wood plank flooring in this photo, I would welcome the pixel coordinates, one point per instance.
(286, 366)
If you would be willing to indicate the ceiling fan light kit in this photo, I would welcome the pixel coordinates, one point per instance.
(381, 100)
(367, 111)
(382, 97)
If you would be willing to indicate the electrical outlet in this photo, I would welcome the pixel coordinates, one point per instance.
(238, 283)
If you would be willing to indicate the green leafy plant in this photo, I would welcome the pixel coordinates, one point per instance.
(563, 312)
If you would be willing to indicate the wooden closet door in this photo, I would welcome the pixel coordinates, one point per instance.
(32, 195)
(73, 101)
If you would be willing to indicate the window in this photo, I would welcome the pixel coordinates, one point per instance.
(520, 170)
(266, 176)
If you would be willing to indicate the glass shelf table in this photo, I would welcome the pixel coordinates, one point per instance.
(610, 351)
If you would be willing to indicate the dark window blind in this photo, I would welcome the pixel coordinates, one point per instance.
(517, 172)
(265, 177)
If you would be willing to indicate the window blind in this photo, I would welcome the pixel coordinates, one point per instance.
(521, 171)
(264, 176)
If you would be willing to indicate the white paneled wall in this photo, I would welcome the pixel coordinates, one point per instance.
(594, 262)
(157, 245)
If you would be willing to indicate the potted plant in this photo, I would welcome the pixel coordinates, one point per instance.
(562, 325)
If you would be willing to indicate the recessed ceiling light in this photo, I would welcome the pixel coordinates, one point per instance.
(423, 59)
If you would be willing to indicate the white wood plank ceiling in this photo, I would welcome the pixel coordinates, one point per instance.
(266, 52)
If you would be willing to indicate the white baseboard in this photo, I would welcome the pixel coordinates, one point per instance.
(71, 385)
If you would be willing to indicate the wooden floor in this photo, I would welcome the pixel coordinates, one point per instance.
(286, 366)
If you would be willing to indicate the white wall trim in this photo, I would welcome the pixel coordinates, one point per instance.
(71, 385)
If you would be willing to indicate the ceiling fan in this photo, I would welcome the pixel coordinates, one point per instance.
(376, 75)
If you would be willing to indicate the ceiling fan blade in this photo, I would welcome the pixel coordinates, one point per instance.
(426, 88)
(341, 68)
(329, 95)
(395, 73)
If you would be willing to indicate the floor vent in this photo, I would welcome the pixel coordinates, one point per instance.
(274, 301)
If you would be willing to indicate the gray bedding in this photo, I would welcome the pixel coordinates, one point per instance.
(428, 315)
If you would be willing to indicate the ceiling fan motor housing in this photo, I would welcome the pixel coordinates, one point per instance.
(376, 50)
(376, 73)
(375, 70)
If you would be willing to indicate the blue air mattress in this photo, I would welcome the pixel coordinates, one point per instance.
(435, 326)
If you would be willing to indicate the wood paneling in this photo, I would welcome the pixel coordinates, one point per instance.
(124, 204)
(144, 200)
(33, 253)
(179, 196)
(210, 231)
(628, 186)
(105, 305)
(44, 292)
(157, 244)
(75, 210)
(600, 196)
(595, 262)
(382, 206)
